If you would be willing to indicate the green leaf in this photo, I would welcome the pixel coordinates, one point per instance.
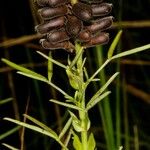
(9, 146)
(132, 51)
(40, 78)
(114, 44)
(52, 60)
(41, 125)
(4, 101)
(91, 142)
(104, 87)
(79, 50)
(76, 142)
(50, 67)
(9, 132)
(66, 105)
(93, 102)
(66, 127)
(76, 123)
(32, 127)
(24, 70)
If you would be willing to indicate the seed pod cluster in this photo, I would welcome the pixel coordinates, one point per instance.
(63, 23)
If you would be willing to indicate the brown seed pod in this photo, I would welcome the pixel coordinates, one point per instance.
(50, 25)
(52, 3)
(100, 24)
(49, 13)
(84, 36)
(57, 36)
(61, 45)
(82, 11)
(101, 9)
(73, 26)
(101, 38)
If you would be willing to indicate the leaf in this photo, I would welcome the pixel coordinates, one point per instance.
(9, 132)
(76, 142)
(91, 142)
(132, 51)
(66, 127)
(40, 124)
(32, 127)
(52, 60)
(9, 146)
(93, 102)
(50, 67)
(114, 44)
(104, 87)
(24, 70)
(33, 76)
(4, 101)
(66, 105)
(76, 123)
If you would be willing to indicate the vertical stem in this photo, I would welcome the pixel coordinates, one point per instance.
(82, 114)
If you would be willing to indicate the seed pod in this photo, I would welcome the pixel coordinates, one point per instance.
(73, 26)
(57, 36)
(82, 11)
(84, 36)
(52, 3)
(62, 45)
(101, 9)
(50, 25)
(49, 13)
(91, 1)
(101, 38)
(100, 24)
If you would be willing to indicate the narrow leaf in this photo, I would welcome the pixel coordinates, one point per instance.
(40, 124)
(4, 101)
(50, 67)
(76, 142)
(52, 60)
(104, 87)
(91, 142)
(32, 127)
(132, 51)
(114, 44)
(33, 76)
(66, 127)
(95, 101)
(9, 146)
(22, 69)
(66, 105)
(9, 132)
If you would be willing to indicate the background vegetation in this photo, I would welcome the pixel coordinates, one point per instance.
(128, 104)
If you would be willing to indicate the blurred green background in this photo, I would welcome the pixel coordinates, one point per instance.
(128, 105)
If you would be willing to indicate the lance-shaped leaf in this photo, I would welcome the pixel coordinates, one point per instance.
(93, 102)
(66, 105)
(40, 124)
(24, 71)
(9, 146)
(50, 67)
(4, 101)
(104, 87)
(66, 127)
(52, 60)
(114, 44)
(37, 129)
(91, 142)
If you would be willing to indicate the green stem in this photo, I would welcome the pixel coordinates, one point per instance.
(82, 114)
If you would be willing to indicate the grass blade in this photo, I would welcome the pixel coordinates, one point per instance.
(4, 101)
(9, 146)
